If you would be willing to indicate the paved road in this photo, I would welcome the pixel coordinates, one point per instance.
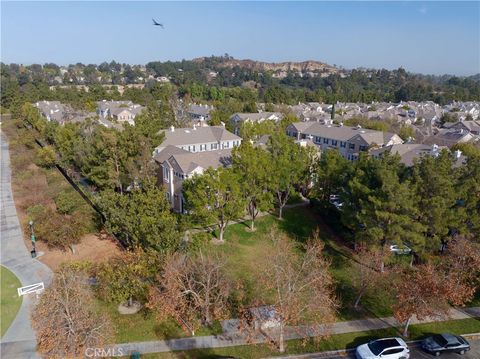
(415, 353)
(19, 341)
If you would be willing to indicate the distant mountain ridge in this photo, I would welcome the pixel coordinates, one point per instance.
(303, 67)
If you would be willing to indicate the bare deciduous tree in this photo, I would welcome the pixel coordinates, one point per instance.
(366, 274)
(299, 285)
(65, 319)
(188, 286)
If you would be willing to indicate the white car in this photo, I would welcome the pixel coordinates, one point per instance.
(400, 249)
(386, 348)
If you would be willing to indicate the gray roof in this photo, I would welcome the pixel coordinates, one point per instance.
(199, 135)
(185, 162)
(343, 133)
(408, 151)
(254, 116)
(200, 110)
(449, 137)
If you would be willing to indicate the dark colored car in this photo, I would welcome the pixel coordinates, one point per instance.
(445, 343)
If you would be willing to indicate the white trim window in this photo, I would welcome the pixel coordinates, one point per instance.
(166, 174)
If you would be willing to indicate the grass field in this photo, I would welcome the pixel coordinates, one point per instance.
(245, 252)
(334, 342)
(9, 300)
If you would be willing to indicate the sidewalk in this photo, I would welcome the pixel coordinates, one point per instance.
(292, 333)
(19, 341)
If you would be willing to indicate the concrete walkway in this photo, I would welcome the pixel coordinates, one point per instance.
(19, 341)
(222, 341)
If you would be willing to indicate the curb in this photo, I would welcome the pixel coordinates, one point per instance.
(345, 352)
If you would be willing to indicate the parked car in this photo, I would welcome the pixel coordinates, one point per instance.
(386, 348)
(400, 249)
(445, 343)
(335, 200)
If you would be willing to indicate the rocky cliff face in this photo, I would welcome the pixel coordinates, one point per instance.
(303, 67)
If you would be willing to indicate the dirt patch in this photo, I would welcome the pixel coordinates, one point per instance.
(92, 248)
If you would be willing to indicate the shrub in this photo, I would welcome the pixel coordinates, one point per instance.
(46, 157)
(67, 202)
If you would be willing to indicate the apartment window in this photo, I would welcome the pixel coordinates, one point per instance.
(304, 136)
(189, 148)
(334, 142)
(325, 140)
(351, 146)
(168, 196)
(194, 148)
(166, 174)
(343, 144)
(318, 139)
(214, 146)
(226, 144)
(362, 148)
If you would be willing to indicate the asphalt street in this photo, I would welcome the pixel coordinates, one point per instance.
(416, 353)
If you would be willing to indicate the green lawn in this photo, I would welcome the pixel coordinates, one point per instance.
(335, 342)
(9, 300)
(245, 252)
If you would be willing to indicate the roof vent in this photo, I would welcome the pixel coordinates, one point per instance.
(187, 131)
(358, 126)
(172, 128)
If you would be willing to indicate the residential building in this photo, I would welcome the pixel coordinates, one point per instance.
(176, 164)
(61, 113)
(238, 118)
(189, 151)
(51, 110)
(199, 139)
(451, 136)
(199, 112)
(121, 111)
(349, 141)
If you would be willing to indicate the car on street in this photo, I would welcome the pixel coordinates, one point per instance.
(386, 348)
(445, 343)
(399, 249)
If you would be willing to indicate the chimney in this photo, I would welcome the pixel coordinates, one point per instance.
(172, 128)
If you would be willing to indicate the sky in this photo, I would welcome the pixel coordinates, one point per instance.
(423, 37)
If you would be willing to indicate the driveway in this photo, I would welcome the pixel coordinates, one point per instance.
(19, 341)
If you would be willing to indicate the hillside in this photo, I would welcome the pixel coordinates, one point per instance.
(302, 67)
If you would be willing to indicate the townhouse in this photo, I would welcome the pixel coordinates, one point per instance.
(186, 152)
(349, 141)
(121, 111)
(237, 119)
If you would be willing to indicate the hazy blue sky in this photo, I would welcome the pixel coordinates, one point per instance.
(427, 37)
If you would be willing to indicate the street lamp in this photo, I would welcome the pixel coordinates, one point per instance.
(33, 239)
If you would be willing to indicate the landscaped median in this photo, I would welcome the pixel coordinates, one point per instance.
(212, 346)
(10, 302)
